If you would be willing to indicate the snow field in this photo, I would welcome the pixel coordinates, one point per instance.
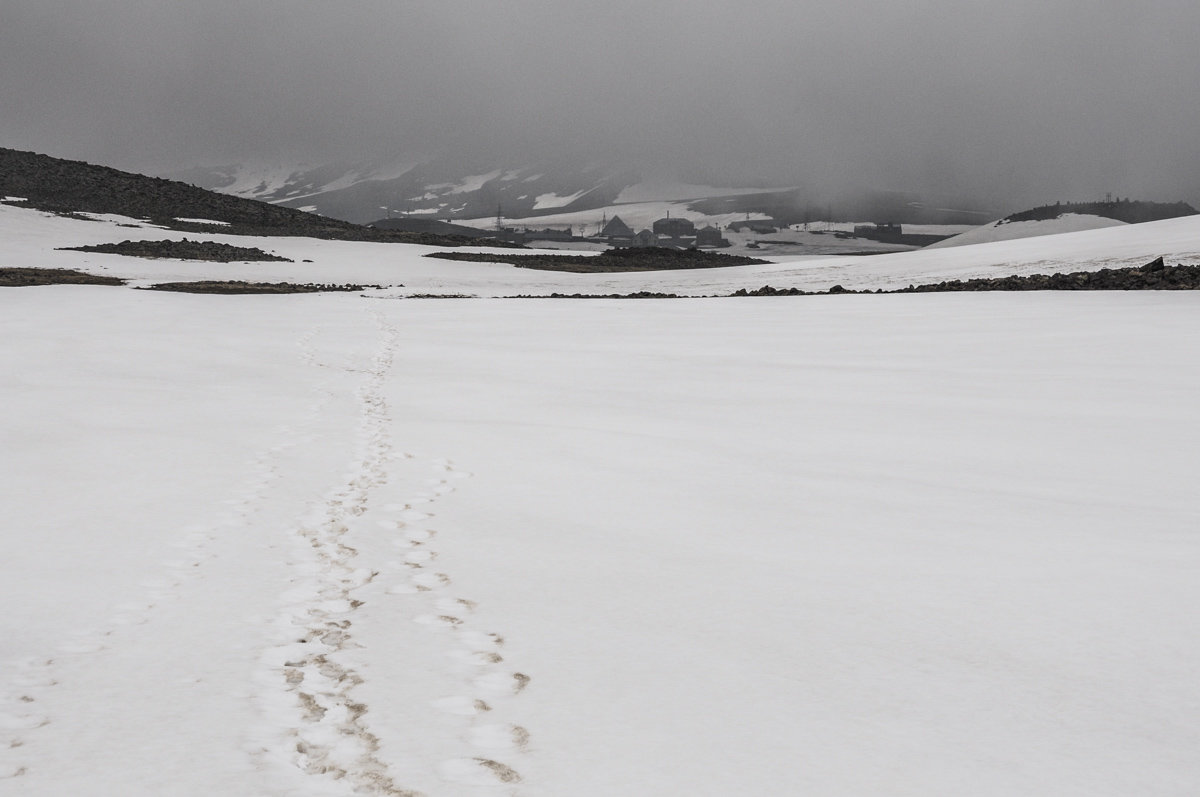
(898, 550)
(31, 237)
(1003, 230)
(339, 544)
(907, 544)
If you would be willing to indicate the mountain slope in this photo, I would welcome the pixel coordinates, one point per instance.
(1072, 217)
(1005, 230)
(444, 188)
(67, 186)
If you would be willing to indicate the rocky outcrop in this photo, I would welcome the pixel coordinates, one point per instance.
(184, 250)
(1129, 211)
(239, 287)
(25, 277)
(612, 260)
(1154, 276)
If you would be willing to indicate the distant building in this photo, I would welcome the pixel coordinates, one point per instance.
(549, 234)
(873, 230)
(674, 228)
(645, 238)
(761, 226)
(617, 230)
(710, 236)
(521, 235)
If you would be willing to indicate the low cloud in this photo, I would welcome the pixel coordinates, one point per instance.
(1007, 103)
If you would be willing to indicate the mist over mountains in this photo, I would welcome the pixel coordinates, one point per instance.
(1003, 106)
(455, 187)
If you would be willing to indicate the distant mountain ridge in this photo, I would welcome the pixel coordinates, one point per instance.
(450, 188)
(443, 188)
(67, 186)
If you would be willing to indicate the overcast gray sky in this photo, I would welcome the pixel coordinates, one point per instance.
(1010, 100)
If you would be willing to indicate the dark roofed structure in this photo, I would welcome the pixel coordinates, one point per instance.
(674, 228)
(616, 229)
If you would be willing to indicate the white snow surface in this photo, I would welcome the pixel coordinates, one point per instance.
(31, 237)
(205, 221)
(1012, 230)
(465, 186)
(933, 544)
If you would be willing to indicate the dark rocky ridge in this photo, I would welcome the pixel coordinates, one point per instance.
(238, 287)
(25, 277)
(634, 295)
(1126, 210)
(184, 250)
(1154, 276)
(611, 260)
(65, 186)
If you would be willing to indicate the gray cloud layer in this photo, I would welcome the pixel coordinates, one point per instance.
(1019, 101)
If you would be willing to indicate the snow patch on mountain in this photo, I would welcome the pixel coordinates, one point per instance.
(468, 184)
(552, 200)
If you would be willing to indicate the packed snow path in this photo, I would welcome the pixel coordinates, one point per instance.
(323, 726)
(332, 545)
(314, 732)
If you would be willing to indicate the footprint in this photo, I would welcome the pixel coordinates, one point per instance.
(462, 706)
(431, 580)
(450, 605)
(499, 737)
(477, 658)
(22, 722)
(438, 620)
(477, 772)
(500, 684)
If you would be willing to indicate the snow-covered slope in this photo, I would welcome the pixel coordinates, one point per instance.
(1005, 230)
(30, 237)
(341, 544)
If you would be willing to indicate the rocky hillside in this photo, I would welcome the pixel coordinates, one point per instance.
(1130, 211)
(65, 186)
(1154, 276)
(447, 187)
